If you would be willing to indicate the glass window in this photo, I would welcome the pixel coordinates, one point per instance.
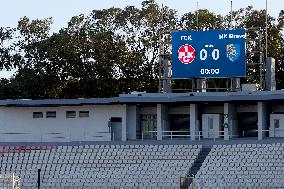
(70, 114)
(84, 114)
(37, 115)
(210, 123)
(276, 123)
(148, 124)
(51, 114)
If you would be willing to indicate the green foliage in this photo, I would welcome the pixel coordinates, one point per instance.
(111, 51)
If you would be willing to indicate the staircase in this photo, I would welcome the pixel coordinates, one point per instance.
(196, 166)
(199, 160)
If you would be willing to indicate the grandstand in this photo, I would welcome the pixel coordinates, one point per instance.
(243, 166)
(99, 166)
(148, 164)
(224, 140)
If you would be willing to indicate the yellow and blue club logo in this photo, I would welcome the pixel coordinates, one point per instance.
(233, 52)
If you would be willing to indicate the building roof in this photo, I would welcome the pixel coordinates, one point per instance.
(56, 102)
(257, 96)
(154, 98)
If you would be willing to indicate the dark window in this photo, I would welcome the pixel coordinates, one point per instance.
(70, 114)
(37, 115)
(116, 119)
(84, 114)
(51, 114)
(276, 123)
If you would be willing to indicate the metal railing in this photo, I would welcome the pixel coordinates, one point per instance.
(170, 134)
(253, 131)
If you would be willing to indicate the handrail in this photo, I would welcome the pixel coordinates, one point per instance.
(171, 135)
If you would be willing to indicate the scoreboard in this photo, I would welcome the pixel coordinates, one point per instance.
(209, 54)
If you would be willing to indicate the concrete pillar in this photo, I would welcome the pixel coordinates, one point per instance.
(123, 126)
(131, 122)
(226, 121)
(193, 120)
(270, 81)
(262, 119)
(226, 133)
(162, 120)
(229, 116)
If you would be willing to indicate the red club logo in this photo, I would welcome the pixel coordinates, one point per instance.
(186, 54)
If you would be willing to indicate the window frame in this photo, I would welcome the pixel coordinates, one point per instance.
(50, 116)
(71, 114)
(37, 113)
(84, 114)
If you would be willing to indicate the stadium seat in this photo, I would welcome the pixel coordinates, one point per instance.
(255, 166)
(100, 166)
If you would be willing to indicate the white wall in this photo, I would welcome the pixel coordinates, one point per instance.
(276, 132)
(20, 120)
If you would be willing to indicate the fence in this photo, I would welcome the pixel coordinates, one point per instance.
(199, 134)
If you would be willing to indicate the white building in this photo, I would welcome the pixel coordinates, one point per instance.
(144, 116)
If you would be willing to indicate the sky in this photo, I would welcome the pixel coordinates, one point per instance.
(62, 10)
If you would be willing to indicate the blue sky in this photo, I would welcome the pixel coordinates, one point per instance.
(63, 10)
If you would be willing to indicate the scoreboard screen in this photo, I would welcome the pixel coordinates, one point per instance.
(209, 54)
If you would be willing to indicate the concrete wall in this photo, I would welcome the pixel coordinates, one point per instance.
(262, 119)
(194, 121)
(230, 118)
(162, 120)
(132, 121)
(147, 110)
(246, 108)
(277, 108)
(276, 132)
(179, 110)
(213, 109)
(18, 124)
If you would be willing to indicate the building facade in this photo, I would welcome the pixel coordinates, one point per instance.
(143, 116)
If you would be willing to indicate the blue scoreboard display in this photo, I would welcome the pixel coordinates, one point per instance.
(209, 54)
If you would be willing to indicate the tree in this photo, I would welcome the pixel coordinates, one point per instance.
(6, 35)
(114, 51)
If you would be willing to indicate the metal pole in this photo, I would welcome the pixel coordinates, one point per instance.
(266, 30)
(161, 51)
(197, 15)
(13, 184)
(231, 22)
(38, 178)
(261, 63)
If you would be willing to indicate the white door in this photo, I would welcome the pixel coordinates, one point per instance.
(116, 128)
(211, 133)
